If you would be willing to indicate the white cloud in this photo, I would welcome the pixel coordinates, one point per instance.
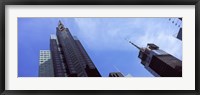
(163, 37)
(109, 33)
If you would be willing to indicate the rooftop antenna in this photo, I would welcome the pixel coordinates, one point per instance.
(133, 44)
(118, 70)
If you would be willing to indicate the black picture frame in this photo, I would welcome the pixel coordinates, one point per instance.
(3, 3)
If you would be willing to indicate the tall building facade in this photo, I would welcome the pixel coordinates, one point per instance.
(45, 64)
(69, 57)
(158, 62)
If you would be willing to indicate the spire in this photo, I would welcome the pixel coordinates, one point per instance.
(135, 45)
(59, 23)
(60, 26)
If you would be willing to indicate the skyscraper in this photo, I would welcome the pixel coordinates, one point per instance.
(116, 74)
(45, 64)
(158, 62)
(69, 57)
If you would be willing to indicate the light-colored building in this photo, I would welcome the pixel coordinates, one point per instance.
(128, 75)
(45, 64)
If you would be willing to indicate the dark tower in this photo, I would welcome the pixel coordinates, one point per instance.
(74, 58)
(158, 62)
(179, 36)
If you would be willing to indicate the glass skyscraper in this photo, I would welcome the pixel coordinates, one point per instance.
(158, 62)
(69, 57)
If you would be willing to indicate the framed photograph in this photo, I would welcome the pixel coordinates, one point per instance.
(100, 47)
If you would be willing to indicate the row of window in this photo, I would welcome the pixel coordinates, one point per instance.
(45, 53)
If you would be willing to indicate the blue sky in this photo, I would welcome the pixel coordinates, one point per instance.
(102, 38)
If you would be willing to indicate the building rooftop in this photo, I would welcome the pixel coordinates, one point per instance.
(53, 36)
